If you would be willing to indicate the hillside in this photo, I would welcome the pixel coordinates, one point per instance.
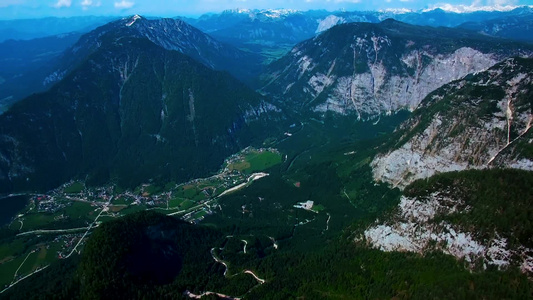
(480, 121)
(364, 69)
(26, 64)
(518, 27)
(131, 111)
(171, 35)
(480, 217)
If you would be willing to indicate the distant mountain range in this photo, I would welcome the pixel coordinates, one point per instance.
(517, 27)
(262, 36)
(266, 27)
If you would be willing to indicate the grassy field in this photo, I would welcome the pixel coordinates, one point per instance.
(8, 269)
(151, 189)
(187, 204)
(12, 248)
(34, 261)
(80, 210)
(42, 256)
(175, 202)
(132, 209)
(190, 192)
(74, 188)
(117, 208)
(121, 201)
(199, 214)
(37, 221)
(256, 161)
(318, 208)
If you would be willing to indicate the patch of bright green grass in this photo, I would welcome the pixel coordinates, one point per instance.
(74, 188)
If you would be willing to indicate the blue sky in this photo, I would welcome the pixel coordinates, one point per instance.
(14, 9)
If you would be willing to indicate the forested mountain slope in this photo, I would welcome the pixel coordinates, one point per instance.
(131, 111)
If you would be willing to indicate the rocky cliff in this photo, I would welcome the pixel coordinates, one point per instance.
(480, 121)
(477, 216)
(368, 69)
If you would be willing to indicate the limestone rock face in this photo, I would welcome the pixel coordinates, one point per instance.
(414, 228)
(366, 69)
(481, 121)
(390, 93)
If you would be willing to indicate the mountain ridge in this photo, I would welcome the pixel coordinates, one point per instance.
(368, 69)
(172, 35)
(122, 113)
(477, 122)
(241, 27)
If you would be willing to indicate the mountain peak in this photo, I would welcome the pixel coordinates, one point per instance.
(171, 34)
(396, 11)
(132, 20)
(237, 11)
(473, 8)
(389, 21)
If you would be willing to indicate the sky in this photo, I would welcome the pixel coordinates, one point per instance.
(22, 9)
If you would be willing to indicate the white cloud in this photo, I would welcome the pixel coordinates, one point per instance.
(63, 3)
(124, 4)
(85, 4)
(475, 6)
(501, 2)
(348, 1)
(7, 3)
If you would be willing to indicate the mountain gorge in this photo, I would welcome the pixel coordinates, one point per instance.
(367, 69)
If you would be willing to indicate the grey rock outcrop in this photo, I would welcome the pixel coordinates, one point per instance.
(481, 121)
(367, 69)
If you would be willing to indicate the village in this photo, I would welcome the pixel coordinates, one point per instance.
(54, 225)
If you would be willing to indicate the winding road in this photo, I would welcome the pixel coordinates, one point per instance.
(219, 261)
